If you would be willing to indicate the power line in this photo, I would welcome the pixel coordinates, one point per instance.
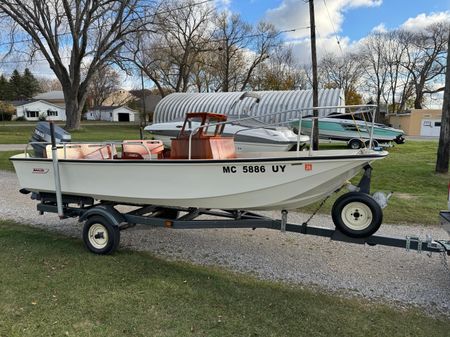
(332, 25)
(162, 47)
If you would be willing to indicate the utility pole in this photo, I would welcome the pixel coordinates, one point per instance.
(144, 115)
(315, 84)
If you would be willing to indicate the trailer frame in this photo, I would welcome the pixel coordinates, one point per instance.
(86, 208)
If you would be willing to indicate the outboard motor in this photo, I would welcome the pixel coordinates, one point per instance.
(42, 134)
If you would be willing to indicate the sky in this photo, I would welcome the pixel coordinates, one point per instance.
(346, 21)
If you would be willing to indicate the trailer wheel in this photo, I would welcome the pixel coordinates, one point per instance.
(100, 236)
(357, 214)
(374, 143)
(355, 144)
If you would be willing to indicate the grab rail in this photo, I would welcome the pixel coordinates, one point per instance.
(369, 108)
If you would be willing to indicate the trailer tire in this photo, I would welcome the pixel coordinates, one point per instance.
(100, 235)
(355, 144)
(374, 143)
(357, 215)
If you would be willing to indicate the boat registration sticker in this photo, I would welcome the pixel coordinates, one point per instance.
(308, 167)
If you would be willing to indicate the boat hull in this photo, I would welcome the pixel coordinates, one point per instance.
(267, 183)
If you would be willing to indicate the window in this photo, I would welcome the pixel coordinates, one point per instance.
(437, 124)
(426, 123)
(110, 114)
(32, 114)
(52, 113)
(91, 114)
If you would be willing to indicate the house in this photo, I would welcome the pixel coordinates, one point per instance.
(56, 97)
(418, 122)
(32, 110)
(112, 114)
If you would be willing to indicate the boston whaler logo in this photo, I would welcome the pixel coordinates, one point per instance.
(39, 171)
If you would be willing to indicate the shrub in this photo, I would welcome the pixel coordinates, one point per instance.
(6, 111)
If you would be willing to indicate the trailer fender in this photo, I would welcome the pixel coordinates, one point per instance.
(106, 211)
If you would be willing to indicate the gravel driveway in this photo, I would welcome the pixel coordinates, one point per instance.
(389, 274)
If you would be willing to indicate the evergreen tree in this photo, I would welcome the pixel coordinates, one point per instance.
(15, 83)
(5, 89)
(29, 84)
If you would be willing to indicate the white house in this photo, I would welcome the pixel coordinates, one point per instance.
(112, 114)
(35, 109)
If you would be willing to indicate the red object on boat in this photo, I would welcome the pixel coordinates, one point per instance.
(207, 142)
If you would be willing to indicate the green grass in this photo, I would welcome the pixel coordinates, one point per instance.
(51, 286)
(408, 171)
(13, 134)
(5, 163)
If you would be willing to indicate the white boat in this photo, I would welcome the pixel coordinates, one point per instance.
(259, 181)
(202, 171)
(250, 135)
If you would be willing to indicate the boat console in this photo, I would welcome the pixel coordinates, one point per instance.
(204, 142)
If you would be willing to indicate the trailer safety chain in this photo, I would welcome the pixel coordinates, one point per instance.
(444, 260)
(317, 209)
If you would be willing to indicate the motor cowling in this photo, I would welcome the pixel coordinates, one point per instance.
(42, 135)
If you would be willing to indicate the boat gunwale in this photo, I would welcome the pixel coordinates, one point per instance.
(211, 161)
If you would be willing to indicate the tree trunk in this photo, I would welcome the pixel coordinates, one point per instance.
(443, 152)
(74, 108)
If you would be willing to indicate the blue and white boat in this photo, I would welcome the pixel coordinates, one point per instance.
(352, 129)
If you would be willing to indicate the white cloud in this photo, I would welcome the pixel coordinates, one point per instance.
(422, 20)
(329, 18)
(381, 28)
(302, 48)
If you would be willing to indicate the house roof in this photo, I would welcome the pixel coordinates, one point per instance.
(56, 95)
(42, 101)
(21, 102)
(110, 108)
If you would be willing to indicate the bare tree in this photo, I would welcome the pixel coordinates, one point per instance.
(443, 153)
(49, 84)
(231, 39)
(71, 35)
(375, 67)
(167, 55)
(105, 81)
(426, 60)
(394, 55)
(280, 72)
(265, 40)
(342, 72)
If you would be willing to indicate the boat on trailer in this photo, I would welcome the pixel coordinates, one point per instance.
(352, 129)
(202, 172)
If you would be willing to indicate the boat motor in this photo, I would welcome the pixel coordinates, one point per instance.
(42, 135)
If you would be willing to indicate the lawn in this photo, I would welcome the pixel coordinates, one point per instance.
(408, 171)
(13, 134)
(51, 286)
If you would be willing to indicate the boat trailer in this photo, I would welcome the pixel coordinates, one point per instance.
(103, 223)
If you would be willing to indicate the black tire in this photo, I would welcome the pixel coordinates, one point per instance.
(357, 215)
(374, 143)
(355, 144)
(100, 236)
